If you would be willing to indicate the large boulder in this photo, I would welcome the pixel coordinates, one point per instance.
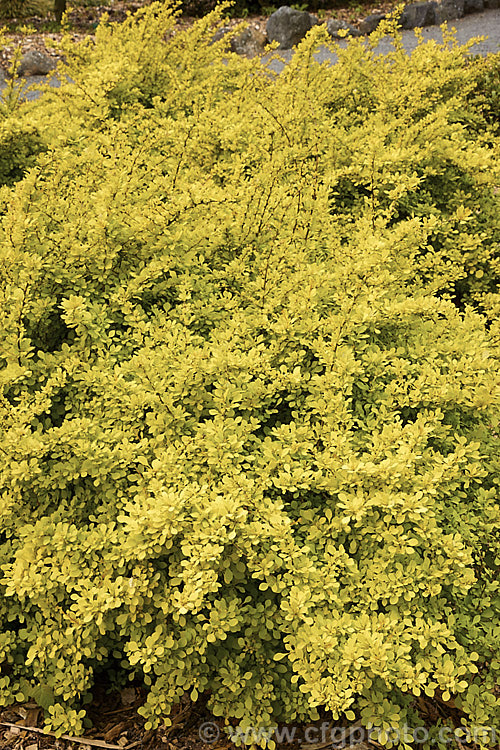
(333, 27)
(249, 43)
(449, 10)
(371, 22)
(35, 63)
(220, 34)
(474, 6)
(418, 14)
(288, 26)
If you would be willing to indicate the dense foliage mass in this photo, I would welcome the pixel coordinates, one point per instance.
(250, 394)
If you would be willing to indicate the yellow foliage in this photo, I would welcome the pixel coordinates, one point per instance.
(249, 385)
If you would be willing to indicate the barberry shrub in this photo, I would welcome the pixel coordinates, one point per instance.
(249, 377)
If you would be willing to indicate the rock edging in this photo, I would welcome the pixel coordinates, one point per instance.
(288, 26)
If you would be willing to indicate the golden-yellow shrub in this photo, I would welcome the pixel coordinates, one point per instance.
(249, 383)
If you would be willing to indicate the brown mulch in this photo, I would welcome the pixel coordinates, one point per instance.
(116, 725)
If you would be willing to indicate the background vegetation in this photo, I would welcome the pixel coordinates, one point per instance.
(50, 9)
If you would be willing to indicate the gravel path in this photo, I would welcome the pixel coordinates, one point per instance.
(478, 24)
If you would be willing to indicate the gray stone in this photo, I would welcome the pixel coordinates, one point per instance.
(220, 34)
(288, 26)
(473, 6)
(418, 15)
(371, 22)
(249, 43)
(35, 63)
(449, 10)
(333, 27)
